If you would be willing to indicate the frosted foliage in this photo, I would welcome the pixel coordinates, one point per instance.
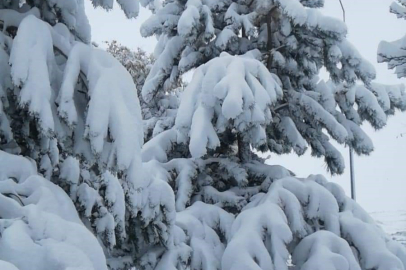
(13, 18)
(227, 92)
(40, 221)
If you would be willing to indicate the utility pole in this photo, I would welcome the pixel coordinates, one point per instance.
(352, 172)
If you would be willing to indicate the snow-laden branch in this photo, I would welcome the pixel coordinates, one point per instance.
(313, 221)
(228, 92)
(46, 227)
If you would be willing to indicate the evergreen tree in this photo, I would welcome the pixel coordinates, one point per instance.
(295, 41)
(236, 212)
(250, 92)
(73, 109)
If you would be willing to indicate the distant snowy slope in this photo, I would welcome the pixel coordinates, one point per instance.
(393, 223)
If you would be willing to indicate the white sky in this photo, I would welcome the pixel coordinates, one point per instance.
(380, 177)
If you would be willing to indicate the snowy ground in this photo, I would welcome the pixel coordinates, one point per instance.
(393, 223)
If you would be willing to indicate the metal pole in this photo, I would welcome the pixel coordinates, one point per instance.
(342, 7)
(353, 195)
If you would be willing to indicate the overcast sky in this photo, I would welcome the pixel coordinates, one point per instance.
(380, 177)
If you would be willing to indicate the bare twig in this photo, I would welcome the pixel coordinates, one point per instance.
(16, 198)
(280, 107)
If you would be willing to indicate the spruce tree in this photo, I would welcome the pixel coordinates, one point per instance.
(295, 41)
(73, 110)
(256, 87)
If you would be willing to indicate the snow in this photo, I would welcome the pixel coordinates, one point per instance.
(367, 101)
(7, 266)
(14, 18)
(217, 93)
(32, 63)
(92, 195)
(288, 127)
(161, 69)
(70, 170)
(393, 223)
(189, 19)
(186, 171)
(130, 7)
(85, 126)
(288, 211)
(102, 72)
(200, 223)
(40, 221)
(371, 247)
(324, 250)
(159, 146)
(323, 118)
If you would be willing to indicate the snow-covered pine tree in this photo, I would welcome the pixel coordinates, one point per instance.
(295, 42)
(73, 110)
(234, 211)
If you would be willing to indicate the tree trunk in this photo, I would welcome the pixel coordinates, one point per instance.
(269, 43)
(244, 151)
